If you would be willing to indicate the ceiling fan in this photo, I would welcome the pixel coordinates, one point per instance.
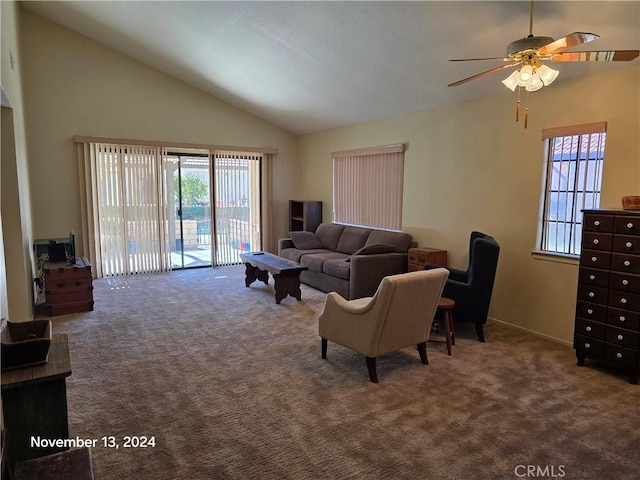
(527, 54)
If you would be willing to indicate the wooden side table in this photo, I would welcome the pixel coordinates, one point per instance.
(418, 257)
(34, 401)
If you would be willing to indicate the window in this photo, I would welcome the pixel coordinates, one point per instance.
(367, 187)
(574, 158)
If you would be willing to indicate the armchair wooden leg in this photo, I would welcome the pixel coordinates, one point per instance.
(371, 366)
(422, 350)
(480, 332)
(324, 348)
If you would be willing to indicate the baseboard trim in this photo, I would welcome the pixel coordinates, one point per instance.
(533, 332)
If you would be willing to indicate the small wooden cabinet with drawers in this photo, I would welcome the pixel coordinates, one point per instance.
(418, 257)
(68, 287)
(607, 323)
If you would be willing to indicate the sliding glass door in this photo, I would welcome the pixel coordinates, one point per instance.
(189, 210)
(232, 180)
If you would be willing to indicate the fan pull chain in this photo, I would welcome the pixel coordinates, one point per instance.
(518, 106)
(526, 112)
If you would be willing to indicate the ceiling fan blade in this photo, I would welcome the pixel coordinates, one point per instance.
(597, 56)
(572, 40)
(505, 59)
(468, 79)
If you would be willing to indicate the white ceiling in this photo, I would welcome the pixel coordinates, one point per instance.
(311, 66)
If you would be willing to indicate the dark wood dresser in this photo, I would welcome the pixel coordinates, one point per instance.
(607, 325)
(417, 258)
(68, 287)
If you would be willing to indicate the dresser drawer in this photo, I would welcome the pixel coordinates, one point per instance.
(627, 225)
(623, 318)
(593, 276)
(590, 293)
(595, 222)
(589, 328)
(626, 244)
(53, 285)
(624, 300)
(597, 240)
(620, 356)
(591, 311)
(623, 262)
(624, 281)
(588, 345)
(622, 337)
(69, 296)
(595, 259)
(66, 273)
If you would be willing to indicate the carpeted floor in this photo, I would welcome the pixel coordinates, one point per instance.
(232, 386)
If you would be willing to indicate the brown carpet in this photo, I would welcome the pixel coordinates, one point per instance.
(232, 386)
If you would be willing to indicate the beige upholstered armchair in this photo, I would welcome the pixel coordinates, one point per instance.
(397, 316)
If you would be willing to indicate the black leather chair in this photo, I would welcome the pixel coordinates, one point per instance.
(471, 288)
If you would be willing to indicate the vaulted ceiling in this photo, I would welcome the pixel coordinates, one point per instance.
(311, 66)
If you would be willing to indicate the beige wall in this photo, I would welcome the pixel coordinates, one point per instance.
(471, 167)
(16, 286)
(75, 86)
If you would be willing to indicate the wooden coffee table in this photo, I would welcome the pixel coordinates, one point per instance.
(286, 273)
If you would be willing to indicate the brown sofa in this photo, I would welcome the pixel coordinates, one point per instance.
(351, 261)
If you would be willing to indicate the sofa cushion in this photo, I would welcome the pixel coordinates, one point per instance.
(374, 249)
(400, 241)
(329, 235)
(305, 240)
(296, 254)
(337, 267)
(352, 239)
(316, 261)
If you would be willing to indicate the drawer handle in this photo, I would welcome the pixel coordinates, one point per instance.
(591, 294)
(620, 337)
(60, 284)
(596, 241)
(627, 263)
(588, 329)
(78, 283)
(629, 225)
(594, 259)
(628, 244)
(619, 355)
(592, 277)
(623, 300)
(622, 318)
(587, 345)
(597, 223)
(590, 311)
(625, 282)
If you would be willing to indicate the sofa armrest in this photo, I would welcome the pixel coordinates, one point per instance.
(284, 243)
(367, 271)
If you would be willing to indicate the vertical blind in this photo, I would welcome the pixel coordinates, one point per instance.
(129, 199)
(125, 208)
(368, 187)
(237, 200)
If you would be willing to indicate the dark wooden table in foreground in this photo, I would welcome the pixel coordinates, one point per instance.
(34, 400)
(286, 273)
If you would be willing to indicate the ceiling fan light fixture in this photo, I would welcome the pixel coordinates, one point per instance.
(525, 73)
(535, 83)
(511, 82)
(547, 74)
